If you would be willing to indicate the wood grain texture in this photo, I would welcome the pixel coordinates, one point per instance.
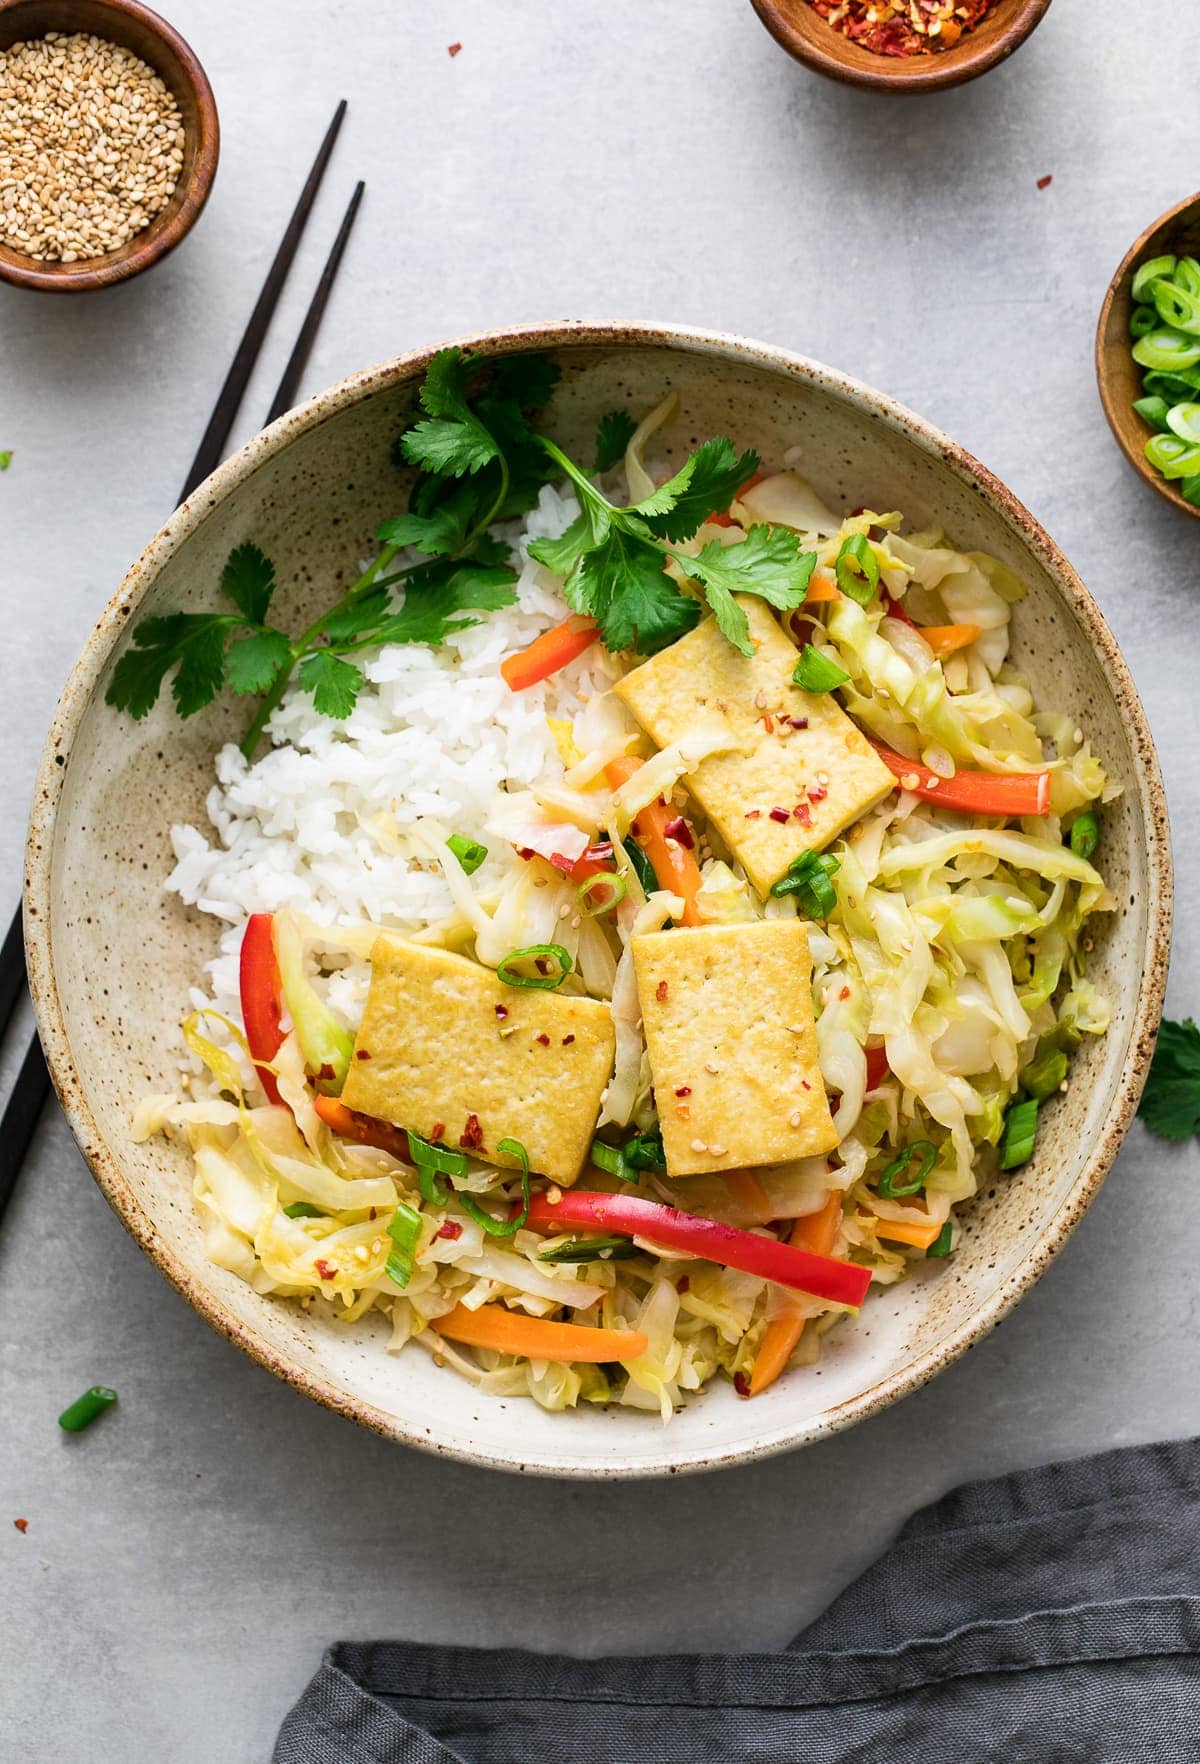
(136, 28)
(805, 35)
(1117, 374)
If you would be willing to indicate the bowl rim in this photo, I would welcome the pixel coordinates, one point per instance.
(241, 466)
(154, 242)
(1119, 289)
(969, 57)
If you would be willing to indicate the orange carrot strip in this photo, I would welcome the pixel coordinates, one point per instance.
(945, 639)
(491, 1326)
(821, 588)
(816, 1232)
(1003, 794)
(549, 652)
(675, 866)
(362, 1129)
(920, 1233)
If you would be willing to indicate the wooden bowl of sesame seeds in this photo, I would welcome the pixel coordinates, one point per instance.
(978, 44)
(109, 142)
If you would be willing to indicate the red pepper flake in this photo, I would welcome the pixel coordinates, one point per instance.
(680, 832)
(450, 1229)
(526, 852)
(21, 1524)
(326, 1074)
(1045, 183)
(804, 1084)
(845, 992)
(798, 722)
(768, 723)
(471, 1138)
(453, 50)
(683, 1284)
(781, 815)
(817, 794)
(660, 992)
(373, 1214)
(567, 1040)
(501, 1010)
(326, 1270)
(922, 27)
(684, 1090)
(754, 814)
(741, 1384)
(543, 1040)
(439, 1130)
(360, 1053)
(803, 814)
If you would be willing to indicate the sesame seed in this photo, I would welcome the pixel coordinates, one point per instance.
(910, 781)
(795, 1118)
(698, 1145)
(716, 1151)
(709, 1067)
(553, 1194)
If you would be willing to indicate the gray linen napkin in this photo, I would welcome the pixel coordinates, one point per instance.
(1050, 1615)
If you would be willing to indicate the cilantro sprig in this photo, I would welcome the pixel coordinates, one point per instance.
(1170, 1104)
(478, 463)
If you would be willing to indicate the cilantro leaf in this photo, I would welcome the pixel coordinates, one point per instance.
(452, 447)
(768, 563)
(589, 529)
(431, 612)
(705, 484)
(349, 622)
(624, 587)
(249, 580)
(526, 380)
(1170, 1104)
(191, 643)
(252, 664)
(440, 533)
(334, 683)
(614, 432)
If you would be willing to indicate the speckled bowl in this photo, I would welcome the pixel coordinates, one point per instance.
(111, 957)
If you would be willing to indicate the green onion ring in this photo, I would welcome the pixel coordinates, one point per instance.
(84, 1410)
(533, 953)
(501, 1227)
(888, 1186)
(404, 1229)
(609, 879)
(856, 569)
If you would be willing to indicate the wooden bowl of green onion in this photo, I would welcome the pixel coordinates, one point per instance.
(1148, 355)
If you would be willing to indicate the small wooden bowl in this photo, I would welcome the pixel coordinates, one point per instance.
(1117, 374)
(806, 35)
(136, 28)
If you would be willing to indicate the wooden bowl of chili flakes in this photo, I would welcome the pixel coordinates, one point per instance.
(900, 45)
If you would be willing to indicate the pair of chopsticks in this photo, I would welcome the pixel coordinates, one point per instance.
(32, 1084)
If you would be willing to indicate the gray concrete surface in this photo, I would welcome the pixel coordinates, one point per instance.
(187, 1560)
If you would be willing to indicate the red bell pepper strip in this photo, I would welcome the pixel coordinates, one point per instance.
(363, 1129)
(261, 989)
(877, 1067)
(823, 1277)
(1007, 795)
(549, 652)
(597, 860)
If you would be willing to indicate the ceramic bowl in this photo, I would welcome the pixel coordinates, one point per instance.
(159, 45)
(1118, 376)
(811, 39)
(111, 956)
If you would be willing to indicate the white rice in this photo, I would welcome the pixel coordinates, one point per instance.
(322, 821)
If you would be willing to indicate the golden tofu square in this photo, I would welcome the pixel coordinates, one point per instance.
(452, 1052)
(728, 1016)
(800, 771)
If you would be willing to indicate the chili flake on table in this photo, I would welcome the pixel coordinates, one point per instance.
(903, 27)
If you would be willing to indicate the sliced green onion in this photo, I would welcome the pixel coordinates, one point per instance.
(889, 1185)
(1176, 306)
(607, 1157)
(644, 1152)
(643, 869)
(1167, 350)
(404, 1229)
(1172, 388)
(303, 1210)
(809, 877)
(1153, 411)
(1174, 457)
(941, 1243)
(1149, 272)
(1085, 833)
(469, 852)
(600, 894)
(816, 673)
(857, 570)
(537, 953)
(591, 1249)
(84, 1410)
(432, 1162)
(1186, 274)
(1020, 1131)
(1141, 320)
(501, 1227)
(1189, 489)
(1184, 420)
(1043, 1077)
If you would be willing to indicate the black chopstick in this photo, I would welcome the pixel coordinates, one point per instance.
(32, 1085)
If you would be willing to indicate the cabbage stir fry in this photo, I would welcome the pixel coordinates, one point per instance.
(777, 961)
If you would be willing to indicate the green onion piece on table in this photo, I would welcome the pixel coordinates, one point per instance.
(512, 1148)
(469, 852)
(1084, 836)
(816, 673)
(84, 1410)
(600, 894)
(1149, 272)
(540, 955)
(1044, 1076)
(941, 1243)
(889, 1185)
(591, 1249)
(1020, 1131)
(404, 1229)
(856, 569)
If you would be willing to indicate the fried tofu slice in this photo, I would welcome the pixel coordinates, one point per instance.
(801, 771)
(728, 1016)
(452, 1052)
